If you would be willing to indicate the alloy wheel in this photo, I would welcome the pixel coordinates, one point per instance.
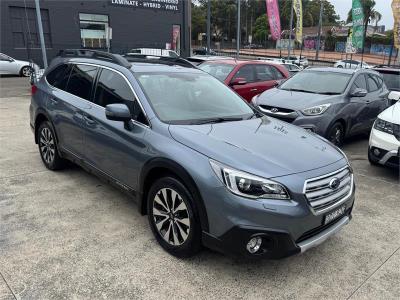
(336, 136)
(171, 216)
(26, 71)
(47, 146)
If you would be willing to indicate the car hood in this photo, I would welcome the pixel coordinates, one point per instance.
(265, 146)
(293, 100)
(391, 114)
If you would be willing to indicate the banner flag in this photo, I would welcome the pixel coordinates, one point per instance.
(396, 27)
(298, 8)
(357, 13)
(274, 19)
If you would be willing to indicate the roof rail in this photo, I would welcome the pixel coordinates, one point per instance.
(155, 59)
(96, 54)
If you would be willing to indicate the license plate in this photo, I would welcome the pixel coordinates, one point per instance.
(333, 215)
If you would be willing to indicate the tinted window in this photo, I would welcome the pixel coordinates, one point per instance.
(264, 73)
(219, 71)
(360, 82)
(373, 84)
(4, 57)
(277, 73)
(246, 72)
(392, 80)
(113, 88)
(81, 81)
(59, 76)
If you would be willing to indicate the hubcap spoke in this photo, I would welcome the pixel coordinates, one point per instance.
(47, 147)
(184, 221)
(182, 232)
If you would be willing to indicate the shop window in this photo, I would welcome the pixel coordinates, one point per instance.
(93, 30)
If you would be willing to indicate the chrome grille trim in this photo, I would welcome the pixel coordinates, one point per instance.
(321, 197)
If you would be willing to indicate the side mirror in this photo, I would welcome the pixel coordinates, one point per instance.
(359, 93)
(238, 81)
(118, 112)
(394, 96)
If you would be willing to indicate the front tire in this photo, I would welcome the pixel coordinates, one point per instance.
(173, 217)
(26, 71)
(336, 134)
(48, 147)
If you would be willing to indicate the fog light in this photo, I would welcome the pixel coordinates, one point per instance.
(377, 152)
(254, 245)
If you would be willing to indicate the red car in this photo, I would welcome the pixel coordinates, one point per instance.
(248, 78)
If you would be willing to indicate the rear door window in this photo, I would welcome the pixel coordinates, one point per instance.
(81, 80)
(264, 73)
(59, 76)
(246, 72)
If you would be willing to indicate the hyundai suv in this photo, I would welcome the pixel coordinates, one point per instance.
(204, 166)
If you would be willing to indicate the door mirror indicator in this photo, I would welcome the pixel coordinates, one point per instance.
(359, 93)
(238, 81)
(118, 112)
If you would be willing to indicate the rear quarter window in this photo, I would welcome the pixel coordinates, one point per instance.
(59, 76)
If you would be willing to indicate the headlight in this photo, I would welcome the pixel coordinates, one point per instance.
(387, 127)
(316, 110)
(247, 185)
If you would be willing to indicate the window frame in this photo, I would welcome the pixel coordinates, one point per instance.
(353, 85)
(375, 80)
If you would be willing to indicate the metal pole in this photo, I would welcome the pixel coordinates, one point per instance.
(319, 30)
(40, 26)
(208, 26)
(291, 29)
(238, 30)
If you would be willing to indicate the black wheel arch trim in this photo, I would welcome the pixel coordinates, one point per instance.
(187, 179)
(41, 111)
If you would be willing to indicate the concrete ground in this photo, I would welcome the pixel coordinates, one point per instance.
(68, 235)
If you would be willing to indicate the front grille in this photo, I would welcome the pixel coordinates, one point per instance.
(322, 193)
(280, 113)
(279, 109)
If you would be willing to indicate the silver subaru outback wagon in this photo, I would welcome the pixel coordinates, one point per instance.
(206, 168)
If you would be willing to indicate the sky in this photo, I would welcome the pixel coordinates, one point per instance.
(342, 7)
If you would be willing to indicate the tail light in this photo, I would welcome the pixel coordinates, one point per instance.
(33, 89)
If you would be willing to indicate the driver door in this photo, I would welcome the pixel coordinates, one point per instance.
(7, 64)
(250, 88)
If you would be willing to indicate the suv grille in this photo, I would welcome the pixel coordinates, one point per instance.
(325, 191)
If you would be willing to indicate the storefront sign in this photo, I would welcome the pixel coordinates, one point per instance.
(166, 5)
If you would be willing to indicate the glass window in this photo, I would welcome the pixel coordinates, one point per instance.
(59, 76)
(93, 30)
(191, 97)
(219, 71)
(277, 73)
(81, 81)
(246, 72)
(360, 83)
(4, 57)
(392, 80)
(264, 73)
(317, 82)
(373, 84)
(113, 88)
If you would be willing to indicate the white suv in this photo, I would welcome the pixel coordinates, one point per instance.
(384, 141)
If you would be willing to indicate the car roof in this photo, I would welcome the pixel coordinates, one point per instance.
(142, 67)
(237, 62)
(335, 70)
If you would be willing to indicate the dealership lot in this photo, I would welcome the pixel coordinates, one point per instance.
(67, 234)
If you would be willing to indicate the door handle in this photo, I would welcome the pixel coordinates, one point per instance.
(254, 90)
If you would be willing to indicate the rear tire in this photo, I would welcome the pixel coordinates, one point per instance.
(336, 134)
(47, 145)
(173, 217)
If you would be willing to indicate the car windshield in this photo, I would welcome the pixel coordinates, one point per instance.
(317, 82)
(392, 81)
(219, 71)
(192, 98)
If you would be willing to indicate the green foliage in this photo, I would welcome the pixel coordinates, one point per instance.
(261, 28)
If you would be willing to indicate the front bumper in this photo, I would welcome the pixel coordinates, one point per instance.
(388, 148)
(276, 244)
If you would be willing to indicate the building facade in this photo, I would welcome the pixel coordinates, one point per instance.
(114, 25)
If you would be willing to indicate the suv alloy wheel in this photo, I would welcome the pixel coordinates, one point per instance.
(48, 147)
(173, 218)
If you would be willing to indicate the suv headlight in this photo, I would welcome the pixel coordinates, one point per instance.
(248, 185)
(387, 127)
(316, 110)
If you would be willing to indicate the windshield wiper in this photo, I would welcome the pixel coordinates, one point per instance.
(300, 90)
(329, 93)
(217, 120)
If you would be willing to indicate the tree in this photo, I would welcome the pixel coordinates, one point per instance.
(261, 28)
(198, 20)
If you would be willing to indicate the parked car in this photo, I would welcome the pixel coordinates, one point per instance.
(203, 51)
(199, 59)
(153, 51)
(246, 77)
(335, 103)
(391, 77)
(205, 166)
(302, 61)
(351, 64)
(384, 141)
(291, 68)
(253, 46)
(11, 66)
